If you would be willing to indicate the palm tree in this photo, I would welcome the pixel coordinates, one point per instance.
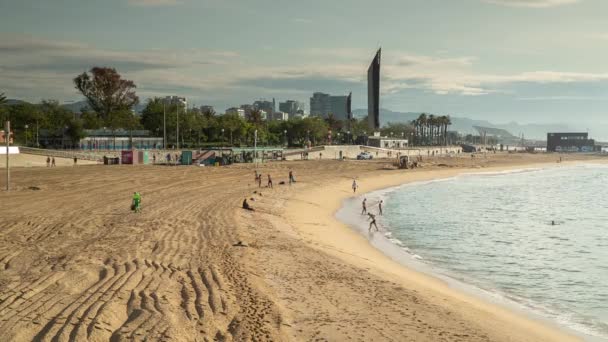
(432, 122)
(2, 99)
(415, 137)
(422, 122)
(446, 121)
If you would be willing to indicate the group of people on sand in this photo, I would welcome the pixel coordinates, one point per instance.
(50, 162)
(371, 216)
(258, 180)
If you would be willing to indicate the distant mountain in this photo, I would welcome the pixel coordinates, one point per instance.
(12, 102)
(76, 107)
(465, 125)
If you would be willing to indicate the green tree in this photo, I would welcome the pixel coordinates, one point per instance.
(106, 91)
(90, 120)
(75, 131)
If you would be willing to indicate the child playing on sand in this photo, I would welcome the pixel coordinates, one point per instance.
(135, 206)
(291, 178)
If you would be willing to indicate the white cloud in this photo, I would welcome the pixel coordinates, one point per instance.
(532, 3)
(33, 68)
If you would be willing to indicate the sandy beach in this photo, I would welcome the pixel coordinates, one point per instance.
(76, 265)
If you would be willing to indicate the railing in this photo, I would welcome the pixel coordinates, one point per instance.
(64, 154)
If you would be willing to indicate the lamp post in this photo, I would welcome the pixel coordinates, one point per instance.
(285, 138)
(339, 141)
(26, 127)
(347, 137)
(307, 137)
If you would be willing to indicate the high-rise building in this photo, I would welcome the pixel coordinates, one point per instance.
(267, 106)
(320, 104)
(176, 100)
(247, 108)
(338, 107)
(205, 109)
(373, 93)
(280, 116)
(291, 107)
(238, 111)
(323, 104)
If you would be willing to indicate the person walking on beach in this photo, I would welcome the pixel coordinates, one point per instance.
(372, 217)
(269, 181)
(260, 180)
(380, 207)
(364, 207)
(135, 206)
(291, 179)
(75, 161)
(355, 186)
(53, 162)
(48, 161)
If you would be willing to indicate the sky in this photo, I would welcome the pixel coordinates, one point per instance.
(530, 61)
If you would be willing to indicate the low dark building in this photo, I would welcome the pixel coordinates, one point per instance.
(570, 142)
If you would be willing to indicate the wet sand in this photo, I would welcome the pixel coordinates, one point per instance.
(76, 265)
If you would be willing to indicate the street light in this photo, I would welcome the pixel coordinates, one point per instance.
(26, 127)
(285, 137)
(348, 137)
(222, 137)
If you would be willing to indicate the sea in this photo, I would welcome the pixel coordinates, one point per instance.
(535, 240)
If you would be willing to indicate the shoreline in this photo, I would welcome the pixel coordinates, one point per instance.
(353, 247)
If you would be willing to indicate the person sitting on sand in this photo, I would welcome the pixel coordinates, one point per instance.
(135, 206)
(363, 207)
(246, 205)
(372, 217)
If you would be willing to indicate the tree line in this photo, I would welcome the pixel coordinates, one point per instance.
(111, 98)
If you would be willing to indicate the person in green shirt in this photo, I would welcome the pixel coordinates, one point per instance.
(136, 202)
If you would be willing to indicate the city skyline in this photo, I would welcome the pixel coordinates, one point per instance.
(498, 60)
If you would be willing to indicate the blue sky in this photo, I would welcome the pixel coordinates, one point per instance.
(530, 61)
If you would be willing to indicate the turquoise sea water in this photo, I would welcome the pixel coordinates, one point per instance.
(494, 231)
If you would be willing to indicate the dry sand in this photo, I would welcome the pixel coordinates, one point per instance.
(76, 265)
(31, 160)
